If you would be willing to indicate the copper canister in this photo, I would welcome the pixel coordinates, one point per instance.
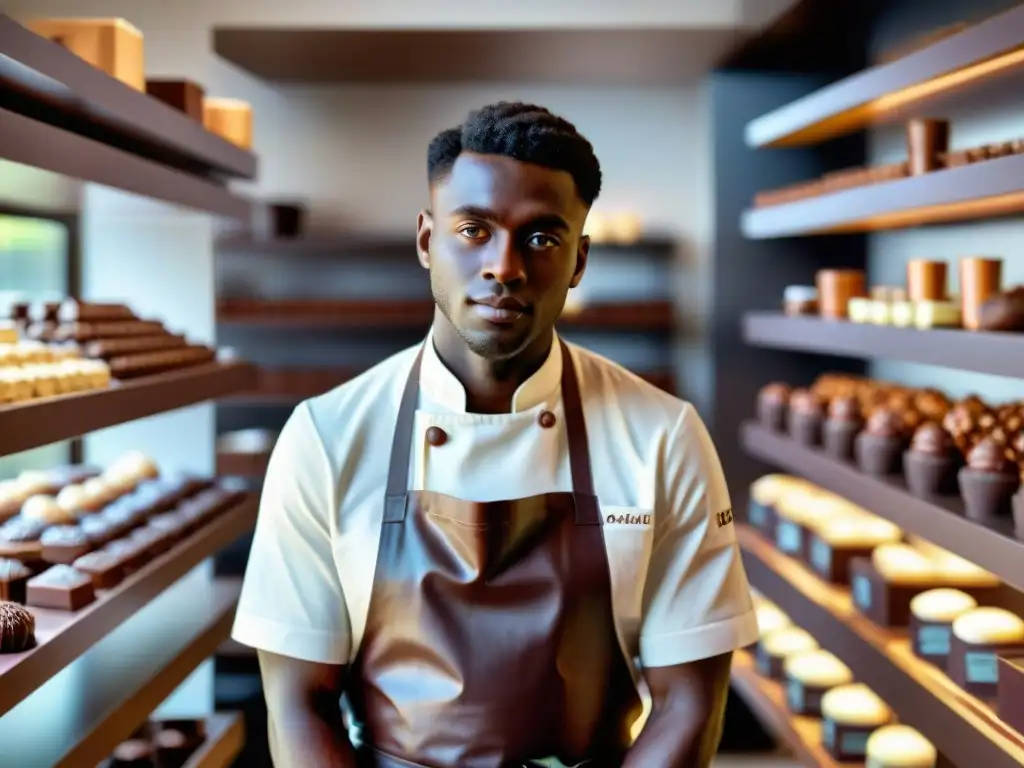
(926, 280)
(927, 142)
(980, 279)
(835, 289)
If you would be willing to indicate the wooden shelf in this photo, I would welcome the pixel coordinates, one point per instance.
(629, 57)
(63, 636)
(81, 714)
(225, 737)
(981, 190)
(48, 420)
(991, 545)
(767, 698)
(48, 83)
(287, 386)
(891, 90)
(1001, 354)
(40, 145)
(967, 732)
(656, 316)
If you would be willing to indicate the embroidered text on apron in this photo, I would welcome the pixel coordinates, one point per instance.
(490, 639)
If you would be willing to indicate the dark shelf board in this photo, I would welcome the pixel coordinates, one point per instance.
(64, 636)
(41, 145)
(767, 698)
(964, 730)
(978, 191)
(628, 57)
(942, 521)
(1001, 354)
(49, 420)
(82, 713)
(287, 386)
(44, 80)
(657, 316)
(890, 90)
(225, 737)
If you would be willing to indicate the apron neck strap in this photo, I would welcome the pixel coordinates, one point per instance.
(575, 427)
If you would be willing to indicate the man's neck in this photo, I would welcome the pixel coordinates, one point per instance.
(490, 384)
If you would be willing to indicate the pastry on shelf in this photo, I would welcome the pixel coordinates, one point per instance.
(798, 300)
(879, 447)
(841, 427)
(930, 463)
(835, 543)
(979, 637)
(112, 45)
(851, 713)
(809, 676)
(773, 405)
(989, 481)
(1003, 312)
(932, 614)
(17, 628)
(774, 648)
(900, 746)
(805, 416)
(14, 576)
(60, 587)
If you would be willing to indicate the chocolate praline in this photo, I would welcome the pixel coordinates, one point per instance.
(772, 402)
(989, 480)
(930, 462)
(17, 628)
(805, 417)
(841, 427)
(879, 446)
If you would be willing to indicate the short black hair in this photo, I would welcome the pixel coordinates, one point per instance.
(523, 132)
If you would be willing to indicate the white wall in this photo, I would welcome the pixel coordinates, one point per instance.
(985, 114)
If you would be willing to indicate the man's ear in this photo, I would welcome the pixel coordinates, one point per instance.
(582, 253)
(424, 229)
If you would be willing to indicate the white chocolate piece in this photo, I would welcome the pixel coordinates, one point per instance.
(859, 310)
(786, 641)
(818, 669)
(902, 313)
(881, 312)
(46, 510)
(984, 626)
(936, 314)
(942, 605)
(855, 705)
(900, 746)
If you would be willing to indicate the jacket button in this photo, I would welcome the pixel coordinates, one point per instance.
(436, 436)
(547, 419)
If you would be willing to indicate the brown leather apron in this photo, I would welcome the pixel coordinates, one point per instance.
(490, 640)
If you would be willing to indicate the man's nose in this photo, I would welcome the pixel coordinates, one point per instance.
(504, 263)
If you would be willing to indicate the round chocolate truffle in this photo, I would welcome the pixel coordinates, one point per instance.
(884, 422)
(844, 408)
(805, 401)
(17, 628)
(931, 439)
(990, 457)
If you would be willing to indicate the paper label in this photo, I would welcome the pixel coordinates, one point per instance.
(758, 515)
(862, 592)
(855, 743)
(933, 641)
(796, 696)
(981, 667)
(787, 537)
(821, 557)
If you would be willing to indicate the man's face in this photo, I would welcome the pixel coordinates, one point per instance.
(504, 244)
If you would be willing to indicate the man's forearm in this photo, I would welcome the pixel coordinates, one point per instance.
(308, 738)
(685, 725)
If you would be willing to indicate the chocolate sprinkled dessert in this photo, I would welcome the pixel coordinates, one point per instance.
(17, 628)
(771, 406)
(841, 427)
(989, 480)
(880, 445)
(64, 543)
(806, 414)
(22, 529)
(930, 463)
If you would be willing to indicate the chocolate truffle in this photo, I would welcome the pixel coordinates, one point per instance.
(805, 417)
(1003, 312)
(771, 406)
(841, 427)
(880, 445)
(14, 575)
(989, 481)
(929, 464)
(17, 628)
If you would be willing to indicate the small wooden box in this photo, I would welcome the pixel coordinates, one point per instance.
(113, 45)
(976, 668)
(184, 95)
(931, 640)
(231, 119)
(846, 743)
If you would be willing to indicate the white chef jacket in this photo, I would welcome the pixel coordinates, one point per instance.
(679, 591)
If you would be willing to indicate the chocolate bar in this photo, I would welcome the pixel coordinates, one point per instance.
(104, 568)
(78, 311)
(132, 555)
(108, 348)
(64, 544)
(61, 587)
(146, 364)
(82, 332)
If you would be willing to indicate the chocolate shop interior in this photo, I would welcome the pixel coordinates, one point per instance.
(807, 229)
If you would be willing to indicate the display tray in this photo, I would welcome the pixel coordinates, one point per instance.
(640, 316)
(966, 731)
(893, 89)
(1001, 354)
(768, 700)
(976, 191)
(97, 701)
(45, 80)
(63, 636)
(33, 423)
(991, 544)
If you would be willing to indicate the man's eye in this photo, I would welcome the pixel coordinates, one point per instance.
(473, 232)
(542, 241)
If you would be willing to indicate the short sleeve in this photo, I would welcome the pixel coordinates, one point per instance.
(292, 602)
(696, 599)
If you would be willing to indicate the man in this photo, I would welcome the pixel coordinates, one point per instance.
(491, 542)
